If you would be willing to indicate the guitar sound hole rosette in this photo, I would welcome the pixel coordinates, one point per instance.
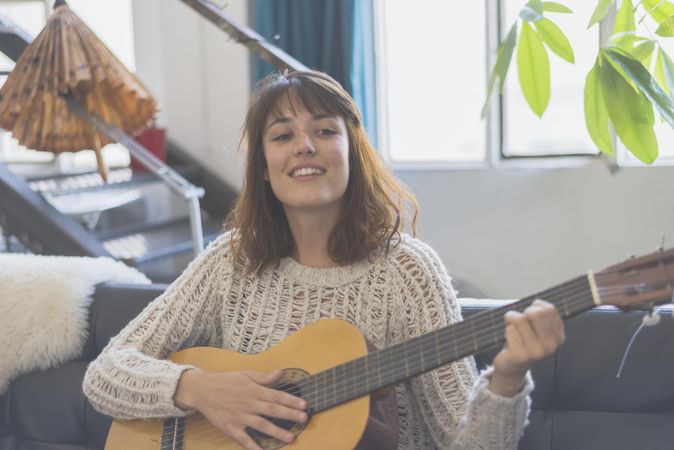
(287, 383)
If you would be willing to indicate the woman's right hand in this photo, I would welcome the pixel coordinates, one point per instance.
(234, 401)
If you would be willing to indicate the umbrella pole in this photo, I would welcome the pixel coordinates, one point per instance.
(102, 169)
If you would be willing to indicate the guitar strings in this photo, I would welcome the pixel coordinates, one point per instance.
(572, 298)
(570, 290)
(318, 392)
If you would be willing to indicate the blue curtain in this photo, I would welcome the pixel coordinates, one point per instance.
(333, 36)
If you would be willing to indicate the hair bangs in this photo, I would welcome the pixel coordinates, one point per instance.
(300, 94)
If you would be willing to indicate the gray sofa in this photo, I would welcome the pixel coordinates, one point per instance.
(578, 404)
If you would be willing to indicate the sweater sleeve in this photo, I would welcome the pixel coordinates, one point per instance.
(131, 379)
(459, 409)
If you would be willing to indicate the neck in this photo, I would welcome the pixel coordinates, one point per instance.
(311, 232)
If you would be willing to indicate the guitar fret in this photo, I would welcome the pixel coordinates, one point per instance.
(495, 336)
(333, 371)
(367, 373)
(472, 329)
(565, 306)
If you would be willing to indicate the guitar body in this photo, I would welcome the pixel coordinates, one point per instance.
(366, 422)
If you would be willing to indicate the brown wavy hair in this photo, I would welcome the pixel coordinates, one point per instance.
(375, 203)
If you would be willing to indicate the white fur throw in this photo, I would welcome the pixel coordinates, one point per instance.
(44, 308)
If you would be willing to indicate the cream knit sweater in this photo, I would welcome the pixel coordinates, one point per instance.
(391, 299)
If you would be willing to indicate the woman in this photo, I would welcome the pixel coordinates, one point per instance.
(316, 233)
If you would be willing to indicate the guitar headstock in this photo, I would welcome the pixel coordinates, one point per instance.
(641, 282)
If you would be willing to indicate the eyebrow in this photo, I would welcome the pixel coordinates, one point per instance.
(286, 119)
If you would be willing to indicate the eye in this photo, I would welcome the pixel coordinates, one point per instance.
(281, 137)
(326, 132)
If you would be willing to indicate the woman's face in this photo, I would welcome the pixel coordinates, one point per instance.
(307, 158)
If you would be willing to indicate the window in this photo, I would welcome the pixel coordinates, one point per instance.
(433, 69)
(562, 129)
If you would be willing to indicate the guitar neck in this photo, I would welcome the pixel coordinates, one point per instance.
(399, 362)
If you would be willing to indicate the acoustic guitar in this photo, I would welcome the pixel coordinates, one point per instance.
(348, 406)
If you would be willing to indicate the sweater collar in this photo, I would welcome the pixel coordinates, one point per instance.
(326, 277)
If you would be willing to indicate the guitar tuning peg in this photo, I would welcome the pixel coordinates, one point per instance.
(650, 319)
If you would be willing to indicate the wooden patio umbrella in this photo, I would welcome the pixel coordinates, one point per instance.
(67, 60)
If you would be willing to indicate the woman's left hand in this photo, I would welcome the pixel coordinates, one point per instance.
(530, 336)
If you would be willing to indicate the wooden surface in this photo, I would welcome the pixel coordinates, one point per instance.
(317, 347)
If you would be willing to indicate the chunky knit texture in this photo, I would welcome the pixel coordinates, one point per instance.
(391, 299)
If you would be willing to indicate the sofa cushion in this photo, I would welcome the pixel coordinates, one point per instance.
(49, 406)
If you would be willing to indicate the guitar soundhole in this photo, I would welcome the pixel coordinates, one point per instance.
(288, 383)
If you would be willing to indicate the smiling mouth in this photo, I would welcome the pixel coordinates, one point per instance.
(306, 171)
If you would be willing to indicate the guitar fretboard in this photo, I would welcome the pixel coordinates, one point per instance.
(399, 362)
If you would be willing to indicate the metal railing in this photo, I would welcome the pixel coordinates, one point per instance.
(173, 179)
(244, 35)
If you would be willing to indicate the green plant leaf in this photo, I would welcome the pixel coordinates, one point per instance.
(643, 52)
(556, 8)
(659, 10)
(532, 11)
(668, 72)
(629, 113)
(599, 12)
(666, 27)
(627, 40)
(617, 67)
(596, 116)
(645, 83)
(624, 21)
(533, 67)
(498, 73)
(659, 73)
(555, 39)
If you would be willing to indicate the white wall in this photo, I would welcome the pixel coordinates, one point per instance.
(509, 232)
(513, 232)
(200, 78)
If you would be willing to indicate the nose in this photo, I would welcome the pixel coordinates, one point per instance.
(304, 146)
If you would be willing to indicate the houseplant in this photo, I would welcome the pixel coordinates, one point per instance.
(632, 75)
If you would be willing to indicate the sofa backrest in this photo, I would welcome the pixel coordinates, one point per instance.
(113, 307)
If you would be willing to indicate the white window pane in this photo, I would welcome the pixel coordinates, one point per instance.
(435, 80)
(29, 16)
(113, 24)
(6, 65)
(562, 129)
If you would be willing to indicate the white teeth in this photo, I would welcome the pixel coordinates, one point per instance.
(306, 171)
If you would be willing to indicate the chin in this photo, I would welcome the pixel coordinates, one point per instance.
(309, 203)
